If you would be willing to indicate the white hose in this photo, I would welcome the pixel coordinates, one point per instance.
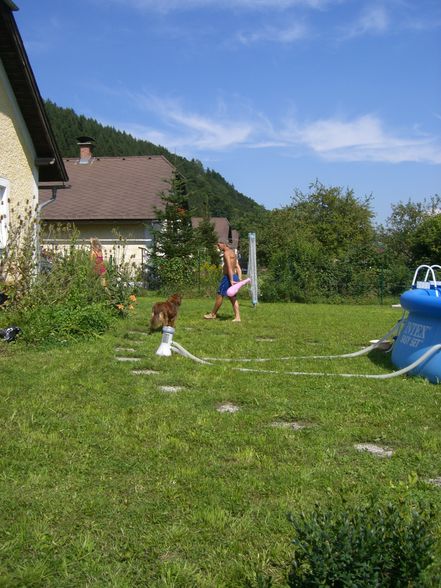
(179, 349)
(344, 356)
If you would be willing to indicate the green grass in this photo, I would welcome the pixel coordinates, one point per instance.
(107, 481)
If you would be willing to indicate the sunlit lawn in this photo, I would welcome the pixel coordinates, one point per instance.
(106, 480)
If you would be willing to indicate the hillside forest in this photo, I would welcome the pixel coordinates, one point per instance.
(322, 246)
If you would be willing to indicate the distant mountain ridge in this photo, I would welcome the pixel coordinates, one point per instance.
(206, 187)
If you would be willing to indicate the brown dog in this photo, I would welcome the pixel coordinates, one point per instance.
(164, 314)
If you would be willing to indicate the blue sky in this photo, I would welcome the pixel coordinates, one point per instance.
(272, 94)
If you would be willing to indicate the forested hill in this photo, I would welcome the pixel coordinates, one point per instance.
(204, 185)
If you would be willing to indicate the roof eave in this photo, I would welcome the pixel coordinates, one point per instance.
(27, 94)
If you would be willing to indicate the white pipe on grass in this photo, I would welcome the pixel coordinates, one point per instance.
(179, 349)
(343, 356)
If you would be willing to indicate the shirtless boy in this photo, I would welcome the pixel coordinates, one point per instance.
(232, 273)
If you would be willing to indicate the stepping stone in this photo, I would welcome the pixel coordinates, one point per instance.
(374, 449)
(144, 372)
(436, 481)
(143, 333)
(227, 407)
(119, 349)
(171, 388)
(295, 426)
(128, 358)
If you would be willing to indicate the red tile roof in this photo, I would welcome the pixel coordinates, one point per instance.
(110, 188)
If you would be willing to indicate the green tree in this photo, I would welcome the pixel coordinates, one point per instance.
(174, 237)
(174, 247)
(402, 231)
(426, 242)
(206, 238)
(334, 217)
(319, 247)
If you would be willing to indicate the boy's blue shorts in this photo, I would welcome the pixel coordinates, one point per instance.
(225, 284)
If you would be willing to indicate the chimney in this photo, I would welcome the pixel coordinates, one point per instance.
(86, 147)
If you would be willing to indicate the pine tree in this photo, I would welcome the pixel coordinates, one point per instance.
(174, 238)
(174, 253)
(206, 237)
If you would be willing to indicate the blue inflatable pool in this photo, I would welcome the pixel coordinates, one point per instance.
(421, 328)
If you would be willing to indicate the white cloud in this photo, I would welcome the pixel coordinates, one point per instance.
(374, 20)
(165, 6)
(364, 138)
(286, 35)
(190, 129)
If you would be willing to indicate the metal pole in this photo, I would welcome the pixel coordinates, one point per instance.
(252, 267)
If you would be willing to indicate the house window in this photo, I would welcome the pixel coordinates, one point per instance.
(4, 212)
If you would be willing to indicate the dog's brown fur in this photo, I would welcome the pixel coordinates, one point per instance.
(164, 314)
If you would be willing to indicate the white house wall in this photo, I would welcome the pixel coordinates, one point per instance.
(18, 173)
(135, 238)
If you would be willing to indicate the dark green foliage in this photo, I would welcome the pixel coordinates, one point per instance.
(206, 240)
(320, 248)
(174, 237)
(175, 253)
(203, 184)
(404, 236)
(374, 545)
(426, 246)
(62, 322)
(67, 301)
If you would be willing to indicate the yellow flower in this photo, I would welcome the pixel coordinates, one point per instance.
(131, 307)
(132, 297)
(120, 306)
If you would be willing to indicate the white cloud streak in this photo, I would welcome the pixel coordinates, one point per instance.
(373, 21)
(363, 138)
(166, 6)
(271, 34)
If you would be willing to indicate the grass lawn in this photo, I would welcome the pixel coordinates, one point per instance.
(108, 480)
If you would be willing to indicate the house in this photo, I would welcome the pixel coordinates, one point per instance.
(113, 197)
(223, 230)
(28, 150)
(109, 198)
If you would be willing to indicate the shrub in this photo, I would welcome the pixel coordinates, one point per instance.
(66, 299)
(176, 274)
(387, 545)
(63, 322)
(208, 278)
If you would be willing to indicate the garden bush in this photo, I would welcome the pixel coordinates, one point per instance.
(64, 299)
(375, 545)
(62, 322)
